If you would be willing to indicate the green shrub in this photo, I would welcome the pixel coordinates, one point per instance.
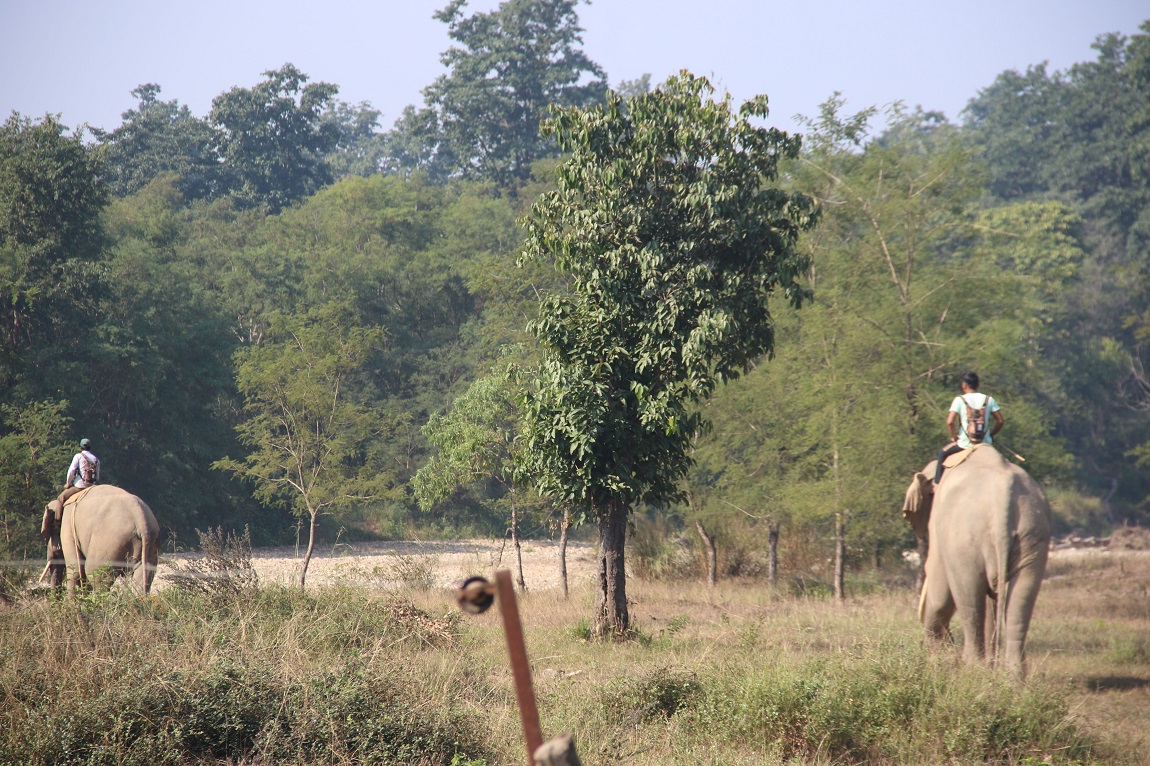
(658, 694)
(894, 705)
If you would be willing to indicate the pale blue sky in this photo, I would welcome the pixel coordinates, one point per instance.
(82, 59)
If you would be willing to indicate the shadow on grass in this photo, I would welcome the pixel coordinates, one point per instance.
(1116, 683)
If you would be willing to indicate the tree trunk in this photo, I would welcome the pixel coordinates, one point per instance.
(611, 617)
(515, 541)
(840, 555)
(564, 532)
(712, 559)
(773, 554)
(310, 548)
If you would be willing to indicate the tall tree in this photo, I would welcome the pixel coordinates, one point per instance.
(35, 441)
(161, 381)
(162, 137)
(914, 288)
(673, 238)
(275, 137)
(1080, 137)
(52, 244)
(312, 438)
(360, 150)
(477, 441)
(481, 119)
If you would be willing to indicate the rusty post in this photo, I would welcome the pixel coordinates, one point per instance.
(476, 596)
(520, 668)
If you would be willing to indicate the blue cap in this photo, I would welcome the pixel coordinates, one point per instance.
(85, 444)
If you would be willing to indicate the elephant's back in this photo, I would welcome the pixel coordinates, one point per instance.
(118, 507)
(987, 485)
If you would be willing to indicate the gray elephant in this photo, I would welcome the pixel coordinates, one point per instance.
(988, 527)
(103, 526)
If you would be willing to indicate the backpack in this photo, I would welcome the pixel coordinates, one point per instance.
(976, 421)
(87, 470)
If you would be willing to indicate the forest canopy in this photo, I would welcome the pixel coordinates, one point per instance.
(145, 270)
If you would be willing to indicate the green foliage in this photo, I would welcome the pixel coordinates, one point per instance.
(481, 119)
(229, 710)
(474, 441)
(660, 694)
(275, 139)
(310, 432)
(360, 150)
(672, 242)
(1080, 136)
(895, 707)
(167, 344)
(1014, 244)
(159, 137)
(51, 245)
(914, 285)
(33, 460)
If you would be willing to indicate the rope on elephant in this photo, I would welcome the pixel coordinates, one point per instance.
(74, 499)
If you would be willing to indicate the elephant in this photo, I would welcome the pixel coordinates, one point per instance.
(103, 526)
(987, 524)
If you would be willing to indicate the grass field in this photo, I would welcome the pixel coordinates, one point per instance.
(734, 675)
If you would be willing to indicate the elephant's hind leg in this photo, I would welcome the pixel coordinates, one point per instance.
(937, 609)
(1019, 609)
(972, 612)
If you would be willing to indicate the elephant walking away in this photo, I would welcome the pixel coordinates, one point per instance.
(103, 526)
(988, 529)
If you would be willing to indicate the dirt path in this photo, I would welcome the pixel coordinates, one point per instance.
(441, 563)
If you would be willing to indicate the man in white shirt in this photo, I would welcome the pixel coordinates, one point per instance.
(83, 472)
(969, 421)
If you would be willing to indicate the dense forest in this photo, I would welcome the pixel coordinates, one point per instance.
(280, 311)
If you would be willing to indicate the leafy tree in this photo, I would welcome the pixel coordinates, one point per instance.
(160, 382)
(399, 251)
(481, 119)
(34, 453)
(360, 150)
(1080, 137)
(311, 435)
(51, 251)
(915, 286)
(275, 137)
(673, 239)
(477, 441)
(162, 137)
(632, 88)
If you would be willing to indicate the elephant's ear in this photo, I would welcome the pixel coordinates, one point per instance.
(916, 505)
(51, 513)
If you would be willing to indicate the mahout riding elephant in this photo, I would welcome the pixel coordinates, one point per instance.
(103, 526)
(988, 528)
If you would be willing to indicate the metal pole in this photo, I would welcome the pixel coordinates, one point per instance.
(520, 668)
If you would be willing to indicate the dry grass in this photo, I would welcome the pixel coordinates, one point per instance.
(1090, 647)
(1091, 635)
(734, 675)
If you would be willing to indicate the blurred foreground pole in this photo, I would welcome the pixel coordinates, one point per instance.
(475, 596)
(520, 668)
(558, 752)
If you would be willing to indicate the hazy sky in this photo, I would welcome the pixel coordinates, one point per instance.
(82, 59)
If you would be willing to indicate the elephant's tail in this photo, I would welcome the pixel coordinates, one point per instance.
(149, 556)
(1002, 587)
